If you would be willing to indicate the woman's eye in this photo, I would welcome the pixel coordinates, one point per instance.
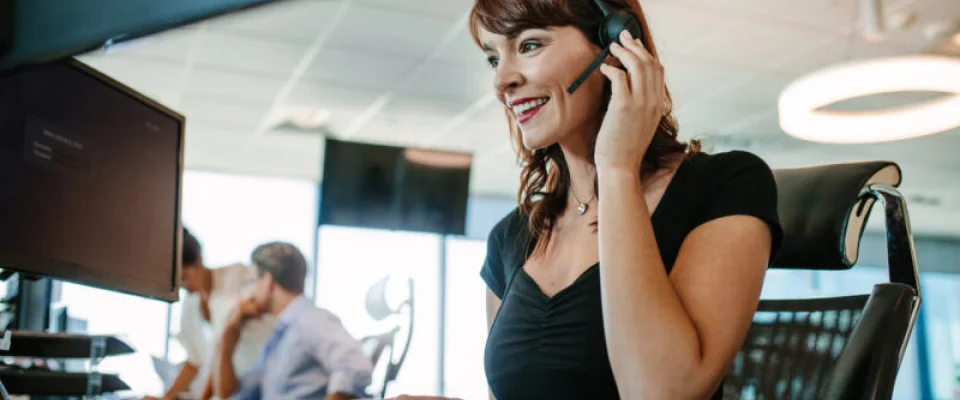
(493, 61)
(529, 46)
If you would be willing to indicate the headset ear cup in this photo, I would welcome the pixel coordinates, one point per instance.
(602, 34)
(614, 23)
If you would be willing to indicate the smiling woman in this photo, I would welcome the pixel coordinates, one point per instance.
(632, 265)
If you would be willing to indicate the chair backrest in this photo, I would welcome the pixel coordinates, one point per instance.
(837, 347)
(385, 343)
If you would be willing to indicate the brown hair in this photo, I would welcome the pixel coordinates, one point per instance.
(545, 178)
(284, 262)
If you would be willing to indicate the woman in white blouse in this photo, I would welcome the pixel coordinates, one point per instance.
(212, 295)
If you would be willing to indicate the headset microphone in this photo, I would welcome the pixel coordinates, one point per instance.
(613, 23)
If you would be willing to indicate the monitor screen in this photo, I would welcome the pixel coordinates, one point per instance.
(90, 176)
(385, 187)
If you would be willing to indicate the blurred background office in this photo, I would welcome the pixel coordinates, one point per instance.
(262, 88)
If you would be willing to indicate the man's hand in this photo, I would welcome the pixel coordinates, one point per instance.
(246, 310)
(339, 396)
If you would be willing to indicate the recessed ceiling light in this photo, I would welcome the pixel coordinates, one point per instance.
(299, 116)
(800, 104)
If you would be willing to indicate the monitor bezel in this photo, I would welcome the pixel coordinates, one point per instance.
(45, 267)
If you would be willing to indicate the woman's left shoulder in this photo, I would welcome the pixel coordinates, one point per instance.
(733, 159)
(736, 165)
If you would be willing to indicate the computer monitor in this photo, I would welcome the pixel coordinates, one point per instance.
(90, 178)
(394, 188)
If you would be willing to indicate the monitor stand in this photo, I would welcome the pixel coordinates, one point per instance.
(28, 300)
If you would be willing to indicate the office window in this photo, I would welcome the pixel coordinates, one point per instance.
(941, 315)
(465, 325)
(138, 321)
(788, 284)
(352, 260)
(232, 214)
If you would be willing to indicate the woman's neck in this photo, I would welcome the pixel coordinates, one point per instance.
(207, 282)
(582, 173)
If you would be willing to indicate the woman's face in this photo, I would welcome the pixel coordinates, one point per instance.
(532, 74)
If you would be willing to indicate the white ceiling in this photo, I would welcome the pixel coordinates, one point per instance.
(407, 73)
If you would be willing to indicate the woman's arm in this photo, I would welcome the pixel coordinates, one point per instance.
(182, 382)
(493, 307)
(674, 336)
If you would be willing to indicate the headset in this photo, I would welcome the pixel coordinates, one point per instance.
(613, 23)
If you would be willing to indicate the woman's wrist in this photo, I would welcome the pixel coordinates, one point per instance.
(617, 175)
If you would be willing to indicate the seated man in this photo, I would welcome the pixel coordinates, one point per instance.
(212, 294)
(309, 356)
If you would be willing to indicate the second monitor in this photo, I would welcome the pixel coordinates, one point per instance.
(395, 188)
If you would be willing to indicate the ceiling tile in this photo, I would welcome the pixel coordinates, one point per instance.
(453, 81)
(148, 76)
(249, 53)
(332, 96)
(757, 44)
(831, 16)
(437, 8)
(341, 120)
(839, 50)
(675, 25)
(691, 79)
(710, 115)
(713, 5)
(390, 31)
(298, 20)
(400, 129)
(431, 105)
(761, 90)
(369, 70)
(461, 49)
(243, 116)
(217, 149)
(762, 121)
(242, 86)
(926, 12)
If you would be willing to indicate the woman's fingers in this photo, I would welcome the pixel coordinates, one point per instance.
(648, 81)
(619, 84)
(632, 65)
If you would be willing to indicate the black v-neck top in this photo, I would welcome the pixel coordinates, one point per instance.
(554, 348)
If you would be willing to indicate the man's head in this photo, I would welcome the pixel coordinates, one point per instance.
(282, 272)
(192, 273)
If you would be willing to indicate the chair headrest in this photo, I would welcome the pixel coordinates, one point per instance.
(823, 214)
(378, 307)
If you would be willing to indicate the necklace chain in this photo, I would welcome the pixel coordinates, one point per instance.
(582, 205)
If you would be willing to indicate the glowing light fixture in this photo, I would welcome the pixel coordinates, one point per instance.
(801, 102)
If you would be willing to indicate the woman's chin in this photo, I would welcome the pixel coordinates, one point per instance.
(534, 143)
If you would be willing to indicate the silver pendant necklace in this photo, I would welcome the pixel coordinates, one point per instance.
(581, 205)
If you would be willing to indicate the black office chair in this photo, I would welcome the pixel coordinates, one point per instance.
(376, 346)
(846, 347)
